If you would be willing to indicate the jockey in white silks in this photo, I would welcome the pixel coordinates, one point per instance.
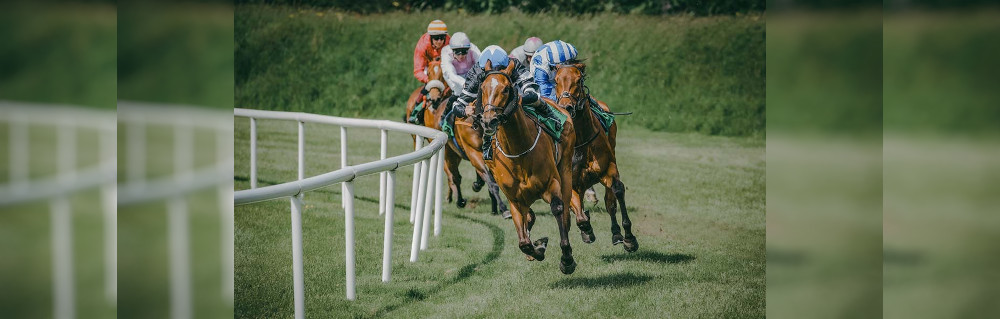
(544, 62)
(457, 58)
(524, 53)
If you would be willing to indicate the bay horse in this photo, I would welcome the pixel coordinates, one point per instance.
(435, 105)
(540, 168)
(594, 158)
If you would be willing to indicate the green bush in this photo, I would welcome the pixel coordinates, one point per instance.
(680, 74)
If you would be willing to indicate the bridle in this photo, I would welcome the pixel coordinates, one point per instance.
(508, 108)
(578, 103)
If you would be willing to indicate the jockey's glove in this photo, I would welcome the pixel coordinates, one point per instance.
(530, 97)
(459, 112)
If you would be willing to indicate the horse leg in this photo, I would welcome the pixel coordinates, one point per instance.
(451, 161)
(530, 220)
(631, 244)
(582, 218)
(498, 203)
(560, 210)
(478, 184)
(534, 250)
(611, 204)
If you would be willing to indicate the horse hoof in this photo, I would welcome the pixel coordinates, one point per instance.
(506, 214)
(540, 246)
(586, 231)
(461, 203)
(631, 244)
(567, 268)
(617, 239)
(476, 186)
(587, 238)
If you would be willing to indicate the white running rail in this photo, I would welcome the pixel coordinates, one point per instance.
(186, 179)
(69, 122)
(430, 155)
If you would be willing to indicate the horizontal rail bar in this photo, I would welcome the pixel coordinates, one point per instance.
(345, 174)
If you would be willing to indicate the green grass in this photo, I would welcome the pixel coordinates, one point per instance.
(696, 202)
(678, 73)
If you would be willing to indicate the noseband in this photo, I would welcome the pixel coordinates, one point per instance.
(508, 108)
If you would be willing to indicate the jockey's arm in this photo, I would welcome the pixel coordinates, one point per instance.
(469, 92)
(420, 61)
(544, 85)
(455, 81)
(525, 83)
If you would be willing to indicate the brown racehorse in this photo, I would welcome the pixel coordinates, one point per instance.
(539, 169)
(471, 143)
(435, 105)
(594, 155)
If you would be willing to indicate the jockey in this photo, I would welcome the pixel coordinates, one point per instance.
(428, 48)
(523, 53)
(521, 78)
(544, 62)
(456, 60)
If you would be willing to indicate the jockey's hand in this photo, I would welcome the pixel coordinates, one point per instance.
(470, 109)
(460, 113)
(530, 97)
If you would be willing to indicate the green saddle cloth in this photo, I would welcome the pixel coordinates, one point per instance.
(415, 115)
(447, 125)
(551, 125)
(606, 118)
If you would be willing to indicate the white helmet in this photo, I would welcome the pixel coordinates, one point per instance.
(460, 41)
(531, 45)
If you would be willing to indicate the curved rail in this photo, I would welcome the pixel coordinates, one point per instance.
(426, 158)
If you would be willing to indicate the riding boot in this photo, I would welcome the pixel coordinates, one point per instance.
(543, 109)
(487, 147)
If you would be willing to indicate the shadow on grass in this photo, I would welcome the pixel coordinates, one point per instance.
(414, 295)
(606, 281)
(649, 256)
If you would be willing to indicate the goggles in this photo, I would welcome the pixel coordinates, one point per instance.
(438, 36)
(462, 51)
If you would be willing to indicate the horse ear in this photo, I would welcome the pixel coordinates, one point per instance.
(489, 65)
(582, 67)
(509, 69)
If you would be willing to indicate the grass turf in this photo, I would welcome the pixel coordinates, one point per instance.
(696, 202)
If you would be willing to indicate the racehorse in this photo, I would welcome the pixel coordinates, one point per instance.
(594, 154)
(470, 142)
(435, 106)
(539, 169)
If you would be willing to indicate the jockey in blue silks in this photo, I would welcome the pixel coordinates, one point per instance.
(544, 62)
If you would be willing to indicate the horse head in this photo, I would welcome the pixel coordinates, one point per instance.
(497, 98)
(435, 86)
(572, 95)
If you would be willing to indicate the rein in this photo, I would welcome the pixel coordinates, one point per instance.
(496, 143)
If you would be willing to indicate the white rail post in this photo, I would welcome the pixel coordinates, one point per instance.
(438, 195)
(177, 210)
(253, 153)
(298, 283)
(224, 144)
(381, 176)
(109, 195)
(343, 164)
(387, 240)
(62, 229)
(428, 200)
(415, 245)
(416, 180)
(136, 140)
(349, 238)
(19, 151)
(302, 153)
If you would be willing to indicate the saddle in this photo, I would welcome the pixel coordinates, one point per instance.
(606, 118)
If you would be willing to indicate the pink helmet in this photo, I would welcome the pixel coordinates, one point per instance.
(531, 45)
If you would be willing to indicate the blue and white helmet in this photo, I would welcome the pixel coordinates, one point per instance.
(496, 55)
